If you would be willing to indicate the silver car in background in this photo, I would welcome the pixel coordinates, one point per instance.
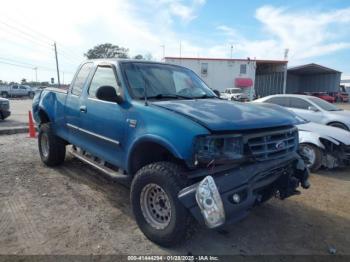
(312, 108)
(320, 145)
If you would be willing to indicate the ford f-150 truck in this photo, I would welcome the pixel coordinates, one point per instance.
(186, 154)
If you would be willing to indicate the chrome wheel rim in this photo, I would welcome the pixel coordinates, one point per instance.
(310, 155)
(155, 206)
(44, 144)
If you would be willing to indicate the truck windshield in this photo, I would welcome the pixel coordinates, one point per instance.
(163, 81)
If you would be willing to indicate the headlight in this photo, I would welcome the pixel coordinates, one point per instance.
(218, 148)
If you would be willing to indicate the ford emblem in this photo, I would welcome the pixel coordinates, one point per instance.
(280, 145)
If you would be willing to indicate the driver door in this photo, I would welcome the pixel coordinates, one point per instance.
(102, 122)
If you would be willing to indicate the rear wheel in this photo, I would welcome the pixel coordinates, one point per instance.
(312, 156)
(4, 94)
(157, 210)
(31, 95)
(52, 149)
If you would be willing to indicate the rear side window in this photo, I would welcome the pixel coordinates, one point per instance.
(104, 76)
(80, 79)
(299, 103)
(281, 101)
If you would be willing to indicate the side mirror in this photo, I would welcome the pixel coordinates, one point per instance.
(108, 93)
(312, 108)
(216, 92)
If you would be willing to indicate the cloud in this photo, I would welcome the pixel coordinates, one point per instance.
(306, 34)
(140, 25)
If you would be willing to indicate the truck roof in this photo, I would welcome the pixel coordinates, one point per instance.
(118, 60)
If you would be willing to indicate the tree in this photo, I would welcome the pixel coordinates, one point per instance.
(140, 57)
(107, 50)
(23, 81)
(148, 56)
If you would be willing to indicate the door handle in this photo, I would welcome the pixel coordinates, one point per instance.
(83, 109)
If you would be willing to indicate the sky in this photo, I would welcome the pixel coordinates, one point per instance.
(312, 31)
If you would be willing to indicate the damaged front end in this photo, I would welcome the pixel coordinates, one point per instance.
(227, 195)
(335, 154)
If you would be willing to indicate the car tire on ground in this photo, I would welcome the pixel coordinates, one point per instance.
(2, 116)
(157, 210)
(31, 95)
(339, 125)
(312, 156)
(52, 149)
(4, 95)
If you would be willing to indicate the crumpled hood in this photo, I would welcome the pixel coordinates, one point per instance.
(324, 131)
(222, 115)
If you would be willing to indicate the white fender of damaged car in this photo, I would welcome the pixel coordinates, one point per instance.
(314, 138)
(331, 133)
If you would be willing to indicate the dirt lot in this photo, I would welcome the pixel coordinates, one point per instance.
(75, 210)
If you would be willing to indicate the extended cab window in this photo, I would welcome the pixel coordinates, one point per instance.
(104, 76)
(80, 79)
(281, 101)
(299, 103)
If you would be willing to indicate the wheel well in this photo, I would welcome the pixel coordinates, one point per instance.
(337, 122)
(44, 118)
(149, 152)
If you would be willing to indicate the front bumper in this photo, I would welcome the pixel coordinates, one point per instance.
(254, 183)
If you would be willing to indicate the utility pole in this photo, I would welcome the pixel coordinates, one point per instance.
(163, 46)
(180, 49)
(286, 51)
(36, 74)
(58, 72)
(231, 51)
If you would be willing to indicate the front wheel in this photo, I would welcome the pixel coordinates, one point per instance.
(312, 156)
(157, 210)
(31, 95)
(52, 149)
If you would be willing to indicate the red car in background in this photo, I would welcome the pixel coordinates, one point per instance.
(324, 96)
(340, 96)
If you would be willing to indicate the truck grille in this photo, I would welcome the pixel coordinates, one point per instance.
(272, 145)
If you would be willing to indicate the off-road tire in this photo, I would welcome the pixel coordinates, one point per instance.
(318, 156)
(167, 176)
(56, 146)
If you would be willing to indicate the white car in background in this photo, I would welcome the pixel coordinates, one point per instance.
(321, 145)
(312, 108)
(234, 94)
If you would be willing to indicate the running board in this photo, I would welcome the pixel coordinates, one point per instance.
(115, 175)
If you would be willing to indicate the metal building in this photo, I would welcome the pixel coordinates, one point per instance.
(312, 78)
(254, 77)
(270, 77)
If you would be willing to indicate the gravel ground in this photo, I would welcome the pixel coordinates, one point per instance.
(73, 209)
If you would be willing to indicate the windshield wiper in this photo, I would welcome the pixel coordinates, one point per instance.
(161, 96)
(203, 96)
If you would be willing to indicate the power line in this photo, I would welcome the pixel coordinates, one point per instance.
(29, 66)
(41, 35)
(33, 38)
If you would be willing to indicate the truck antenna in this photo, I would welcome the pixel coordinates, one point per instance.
(145, 90)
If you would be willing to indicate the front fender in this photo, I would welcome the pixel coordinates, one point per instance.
(155, 139)
(314, 138)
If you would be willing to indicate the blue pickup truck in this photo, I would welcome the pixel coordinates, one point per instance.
(186, 154)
